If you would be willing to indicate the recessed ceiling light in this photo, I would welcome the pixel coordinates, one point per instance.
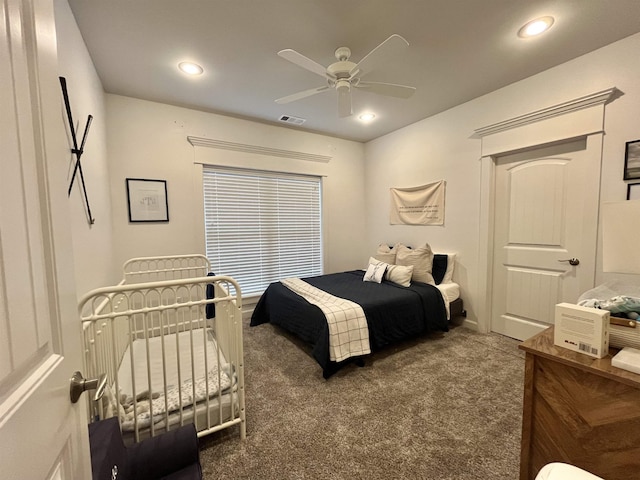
(535, 27)
(190, 68)
(367, 117)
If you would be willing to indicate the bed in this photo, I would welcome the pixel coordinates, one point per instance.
(169, 339)
(392, 312)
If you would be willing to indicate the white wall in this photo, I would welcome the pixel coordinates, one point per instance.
(92, 244)
(440, 147)
(149, 140)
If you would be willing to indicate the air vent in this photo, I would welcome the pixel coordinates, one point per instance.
(293, 120)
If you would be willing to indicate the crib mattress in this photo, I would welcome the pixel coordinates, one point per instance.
(168, 391)
(174, 352)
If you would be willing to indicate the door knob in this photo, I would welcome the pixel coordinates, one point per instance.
(80, 384)
(572, 261)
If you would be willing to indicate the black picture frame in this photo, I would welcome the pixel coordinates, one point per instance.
(147, 200)
(633, 191)
(632, 160)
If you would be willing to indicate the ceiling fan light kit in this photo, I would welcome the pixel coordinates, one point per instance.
(344, 74)
(343, 85)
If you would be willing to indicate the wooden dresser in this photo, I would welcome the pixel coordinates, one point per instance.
(578, 410)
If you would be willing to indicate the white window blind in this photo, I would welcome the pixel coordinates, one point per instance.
(262, 227)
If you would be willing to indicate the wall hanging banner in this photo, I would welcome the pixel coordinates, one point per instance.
(418, 205)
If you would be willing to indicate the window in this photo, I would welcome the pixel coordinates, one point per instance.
(262, 227)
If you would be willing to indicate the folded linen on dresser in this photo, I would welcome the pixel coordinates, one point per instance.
(348, 328)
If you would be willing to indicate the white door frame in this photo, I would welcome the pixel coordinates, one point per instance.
(575, 118)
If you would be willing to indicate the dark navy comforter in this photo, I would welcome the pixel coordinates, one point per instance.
(394, 313)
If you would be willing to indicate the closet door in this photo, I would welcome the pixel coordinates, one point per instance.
(44, 435)
(546, 210)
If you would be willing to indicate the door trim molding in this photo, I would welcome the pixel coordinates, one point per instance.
(599, 98)
(575, 118)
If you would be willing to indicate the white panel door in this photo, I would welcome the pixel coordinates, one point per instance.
(42, 435)
(546, 205)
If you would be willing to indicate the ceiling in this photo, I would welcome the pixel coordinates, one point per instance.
(458, 50)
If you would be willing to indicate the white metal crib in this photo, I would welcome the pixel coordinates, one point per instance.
(169, 339)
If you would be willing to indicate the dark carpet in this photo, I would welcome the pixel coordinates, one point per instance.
(445, 406)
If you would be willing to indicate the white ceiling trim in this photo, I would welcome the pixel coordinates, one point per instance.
(257, 149)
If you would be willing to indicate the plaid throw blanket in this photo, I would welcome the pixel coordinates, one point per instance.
(348, 329)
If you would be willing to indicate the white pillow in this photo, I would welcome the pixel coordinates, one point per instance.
(373, 261)
(375, 272)
(448, 274)
(395, 273)
(386, 254)
(420, 258)
(399, 274)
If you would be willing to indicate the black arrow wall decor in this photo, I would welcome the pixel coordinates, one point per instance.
(75, 150)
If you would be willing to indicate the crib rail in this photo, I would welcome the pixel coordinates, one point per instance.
(151, 269)
(170, 359)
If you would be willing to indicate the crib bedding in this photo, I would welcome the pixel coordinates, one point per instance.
(393, 313)
(171, 371)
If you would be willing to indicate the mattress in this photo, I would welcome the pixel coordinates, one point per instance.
(171, 387)
(450, 292)
(177, 362)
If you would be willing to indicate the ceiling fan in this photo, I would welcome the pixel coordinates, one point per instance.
(344, 74)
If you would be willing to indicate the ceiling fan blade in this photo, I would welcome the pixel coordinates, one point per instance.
(387, 50)
(389, 89)
(302, 61)
(344, 102)
(303, 94)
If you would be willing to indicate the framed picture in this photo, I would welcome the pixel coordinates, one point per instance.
(632, 160)
(147, 200)
(633, 191)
